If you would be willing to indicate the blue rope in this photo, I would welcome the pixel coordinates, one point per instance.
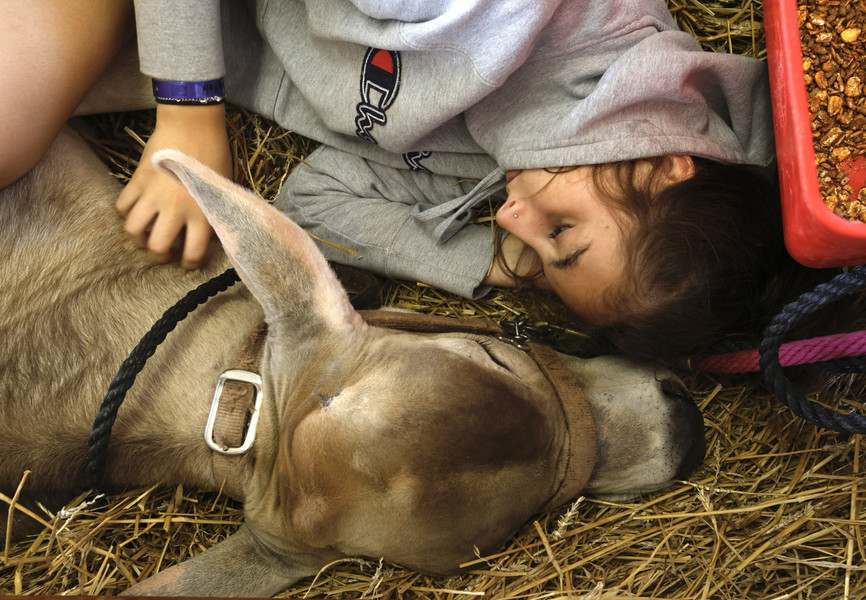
(843, 284)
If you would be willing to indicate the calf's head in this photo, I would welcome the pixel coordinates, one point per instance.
(419, 448)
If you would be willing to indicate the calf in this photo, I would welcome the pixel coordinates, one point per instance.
(414, 447)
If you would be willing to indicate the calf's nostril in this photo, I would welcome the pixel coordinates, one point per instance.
(687, 427)
(693, 454)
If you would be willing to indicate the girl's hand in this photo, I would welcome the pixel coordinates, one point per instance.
(518, 257)
(157, 208)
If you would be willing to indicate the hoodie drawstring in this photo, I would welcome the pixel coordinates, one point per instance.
(459, 210)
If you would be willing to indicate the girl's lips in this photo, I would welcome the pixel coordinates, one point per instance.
(509, 175)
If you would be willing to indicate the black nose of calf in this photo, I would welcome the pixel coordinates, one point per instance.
(688, 426)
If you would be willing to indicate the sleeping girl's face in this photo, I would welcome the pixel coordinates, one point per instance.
(576, 234)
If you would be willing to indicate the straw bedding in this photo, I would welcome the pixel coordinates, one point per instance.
(776, 510)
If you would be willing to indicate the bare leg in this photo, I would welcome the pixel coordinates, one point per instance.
(51, 53)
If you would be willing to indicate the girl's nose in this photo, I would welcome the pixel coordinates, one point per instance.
(511, 209)
(518, 217)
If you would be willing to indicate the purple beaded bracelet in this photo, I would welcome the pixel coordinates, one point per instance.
(189, 92)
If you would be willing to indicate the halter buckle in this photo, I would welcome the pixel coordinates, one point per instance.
(242, 377)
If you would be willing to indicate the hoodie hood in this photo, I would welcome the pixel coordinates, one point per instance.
(637, 89)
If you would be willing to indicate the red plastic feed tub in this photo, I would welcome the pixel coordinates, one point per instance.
(814, 235)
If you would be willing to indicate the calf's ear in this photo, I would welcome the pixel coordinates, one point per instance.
(276, 259)
(238, 566)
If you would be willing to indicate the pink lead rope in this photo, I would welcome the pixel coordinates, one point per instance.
(830, 351)
(800, 352)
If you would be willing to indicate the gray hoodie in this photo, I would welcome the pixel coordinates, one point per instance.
(410, 99)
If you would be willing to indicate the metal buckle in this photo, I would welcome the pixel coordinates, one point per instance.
(243, 377)
(518, 339)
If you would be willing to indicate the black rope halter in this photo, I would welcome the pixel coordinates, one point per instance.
(97, 452)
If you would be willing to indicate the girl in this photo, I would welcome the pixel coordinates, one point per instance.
(619, 149)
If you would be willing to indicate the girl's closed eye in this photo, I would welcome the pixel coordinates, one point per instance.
(570, 259)
(557, 230)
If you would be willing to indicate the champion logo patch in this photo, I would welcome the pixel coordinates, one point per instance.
(380, 83)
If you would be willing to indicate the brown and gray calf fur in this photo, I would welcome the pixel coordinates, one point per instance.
(413, 447)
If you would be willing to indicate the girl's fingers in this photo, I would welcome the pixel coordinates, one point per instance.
(195, 246)
(161, 238)
(138, 221)
(127, 198)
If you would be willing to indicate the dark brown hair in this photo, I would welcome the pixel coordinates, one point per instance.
(705, 257)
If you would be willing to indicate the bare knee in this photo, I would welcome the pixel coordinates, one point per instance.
(51, 53)
(22, 144)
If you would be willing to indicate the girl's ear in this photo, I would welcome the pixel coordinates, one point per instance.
(663, 172)
(680, 167)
